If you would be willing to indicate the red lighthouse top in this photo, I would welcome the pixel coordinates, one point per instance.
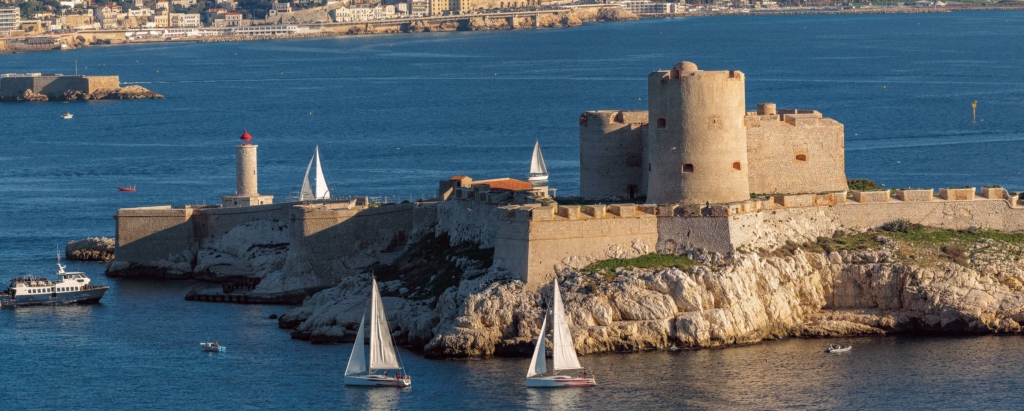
(246, 138)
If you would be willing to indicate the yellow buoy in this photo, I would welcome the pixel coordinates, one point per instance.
(974, 110)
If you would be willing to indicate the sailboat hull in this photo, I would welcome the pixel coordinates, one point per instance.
(560, 381)
(377, 381)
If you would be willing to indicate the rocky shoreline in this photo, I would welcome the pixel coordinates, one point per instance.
(121, 93)
(886, 285)
(90, 249)
(569, 18)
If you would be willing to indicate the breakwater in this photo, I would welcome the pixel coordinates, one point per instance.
(59, 87)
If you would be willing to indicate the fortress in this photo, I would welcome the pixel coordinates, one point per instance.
(694, 171)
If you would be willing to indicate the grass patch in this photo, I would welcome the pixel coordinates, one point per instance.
(607, 268)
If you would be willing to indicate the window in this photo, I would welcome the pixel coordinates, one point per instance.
(661, 122)
(687, 168)
(801, 157)
(736, 166)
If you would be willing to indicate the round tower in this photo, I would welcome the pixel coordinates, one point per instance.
(697, 142)
(246, 183)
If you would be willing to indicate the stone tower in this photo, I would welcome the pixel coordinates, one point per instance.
(696, 147)
(246, 177)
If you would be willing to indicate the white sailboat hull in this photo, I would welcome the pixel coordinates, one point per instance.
(377, 381)
(560, 381)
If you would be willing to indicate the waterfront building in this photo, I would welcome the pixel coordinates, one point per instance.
(271, 30)
(649, 7)
(438, 7)
(10, 19)
(107, 15)
(419, 8)
(228, 19)
(185, 20)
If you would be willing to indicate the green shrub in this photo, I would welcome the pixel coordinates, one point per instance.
(899, 225)
(862, 184)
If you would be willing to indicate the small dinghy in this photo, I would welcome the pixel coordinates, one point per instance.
(67, 116)
(384, 368)
(212, 347)
(126, 188)
(836, 349)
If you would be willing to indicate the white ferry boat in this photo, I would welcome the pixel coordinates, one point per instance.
(70, 288)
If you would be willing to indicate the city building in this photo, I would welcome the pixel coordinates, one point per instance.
(185, 20)
(10, 19)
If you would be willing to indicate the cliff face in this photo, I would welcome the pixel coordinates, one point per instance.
(890, 287)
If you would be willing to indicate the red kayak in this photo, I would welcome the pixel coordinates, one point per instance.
(132, 188)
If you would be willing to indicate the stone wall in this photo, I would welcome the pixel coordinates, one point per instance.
(467, 221)
(330, 241)
(54, 86)
(160, 237)
(795, 153)
(535, 242)
(611, 154)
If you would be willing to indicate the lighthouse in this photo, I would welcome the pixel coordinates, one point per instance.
(246, 177)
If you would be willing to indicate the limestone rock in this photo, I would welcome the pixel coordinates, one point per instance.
(90, 249)
(747, 299)
(615, 14)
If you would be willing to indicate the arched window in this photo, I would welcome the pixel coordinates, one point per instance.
(736, 166)
(801, 157)
(661, 122)
(687, 168)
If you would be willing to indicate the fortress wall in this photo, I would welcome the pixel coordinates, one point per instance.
(212, 223)
(15, 86)
(329, 243)
(543, 243)
(676, 234)
(958, 215)
(467, 221)
(802, 155)
(55, 86)
(611, 154)
(96, 83)
(149, 235)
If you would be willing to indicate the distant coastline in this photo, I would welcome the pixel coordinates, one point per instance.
(556, 18)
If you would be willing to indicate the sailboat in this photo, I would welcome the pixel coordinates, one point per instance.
(318, 190)
(564, 353)
(383, 357)
(538, 170)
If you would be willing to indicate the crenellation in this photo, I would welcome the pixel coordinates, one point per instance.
(994, 193)
(862, 197)
(915, 195)
(957, 194)
(596, 210)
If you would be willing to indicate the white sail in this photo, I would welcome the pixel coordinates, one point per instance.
(537, 167)
(563, 349)
(306, 194)
(322, 193)
(539, 365)
(382, 352)
(357, 361)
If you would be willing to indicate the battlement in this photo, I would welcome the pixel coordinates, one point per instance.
(604, 118)
(786, 117)
(922, 195)
(681, 71)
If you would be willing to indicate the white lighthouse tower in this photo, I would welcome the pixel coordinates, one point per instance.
(246, 177)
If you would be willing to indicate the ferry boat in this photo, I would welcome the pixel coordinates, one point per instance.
(70, 288)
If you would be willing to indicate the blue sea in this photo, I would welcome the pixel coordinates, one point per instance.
(392, 115)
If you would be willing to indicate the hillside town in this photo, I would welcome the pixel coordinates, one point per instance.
(19, 18)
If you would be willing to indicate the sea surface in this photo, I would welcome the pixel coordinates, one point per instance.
(392, 115)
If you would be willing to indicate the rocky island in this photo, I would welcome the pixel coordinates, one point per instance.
(59, 87)
(700, 224)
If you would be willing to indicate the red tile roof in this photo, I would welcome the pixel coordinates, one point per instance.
(506, 184)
